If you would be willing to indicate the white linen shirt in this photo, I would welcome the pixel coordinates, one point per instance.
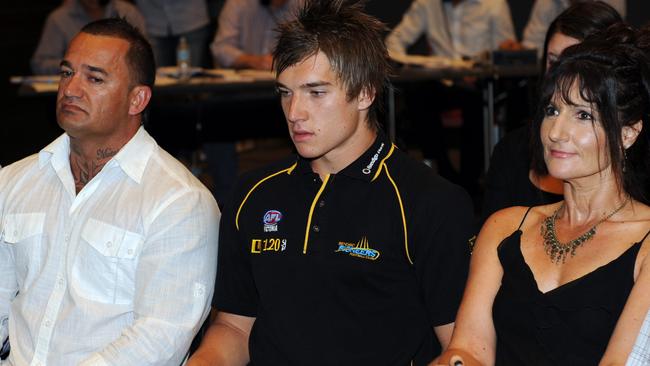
(467, 29)
(121, 273)
(543, 14)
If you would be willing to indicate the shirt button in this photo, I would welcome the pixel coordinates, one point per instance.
(321, 203)
(47, 323)
(60, 282)
(130, 251)
(109, 244)
(15, 233)
(67, 238)
(316, 228)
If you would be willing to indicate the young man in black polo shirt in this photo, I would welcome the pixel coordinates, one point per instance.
(349, 253)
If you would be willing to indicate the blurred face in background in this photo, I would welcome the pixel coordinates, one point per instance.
(556, 45)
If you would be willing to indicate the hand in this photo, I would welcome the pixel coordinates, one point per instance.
(510, 45)
(257, 62)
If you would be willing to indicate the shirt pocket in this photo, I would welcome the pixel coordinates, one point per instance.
(24, 231)
(104, 271)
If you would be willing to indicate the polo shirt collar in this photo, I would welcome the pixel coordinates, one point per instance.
(364, 167)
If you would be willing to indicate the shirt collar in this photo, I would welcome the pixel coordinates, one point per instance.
(132, 157)
(365, 167)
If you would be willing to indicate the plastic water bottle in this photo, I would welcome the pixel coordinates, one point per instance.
(183, 59)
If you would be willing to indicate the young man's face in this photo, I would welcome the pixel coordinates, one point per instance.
(94, 91)
(323, 123)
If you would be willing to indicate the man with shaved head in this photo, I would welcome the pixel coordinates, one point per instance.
(107, 243)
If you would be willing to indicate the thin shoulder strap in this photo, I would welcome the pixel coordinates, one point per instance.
(645, 236)
(524, 218)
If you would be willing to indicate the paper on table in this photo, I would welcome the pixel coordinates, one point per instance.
(45, 87)
(434, 62)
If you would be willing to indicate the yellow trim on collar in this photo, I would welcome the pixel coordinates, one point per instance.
(288, 171)
(383, 161)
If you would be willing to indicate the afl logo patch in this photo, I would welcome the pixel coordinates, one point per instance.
(271, 220)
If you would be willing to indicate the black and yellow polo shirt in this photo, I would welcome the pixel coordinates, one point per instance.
(354, 269)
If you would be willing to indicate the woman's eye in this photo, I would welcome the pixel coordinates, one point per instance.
(585, 116)
(550, 111)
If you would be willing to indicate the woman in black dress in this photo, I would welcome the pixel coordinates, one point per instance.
(568, 283)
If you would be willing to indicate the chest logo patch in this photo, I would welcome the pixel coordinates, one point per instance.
(361, 249)
(271, 220)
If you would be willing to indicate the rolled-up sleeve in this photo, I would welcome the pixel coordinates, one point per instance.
(413, 24)
(8, 282)
(225, 47)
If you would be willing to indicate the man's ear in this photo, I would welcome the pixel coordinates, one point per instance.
(139, 98)
(630, 133)
(365, 98)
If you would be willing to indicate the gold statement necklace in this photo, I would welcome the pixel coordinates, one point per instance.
(559, 251)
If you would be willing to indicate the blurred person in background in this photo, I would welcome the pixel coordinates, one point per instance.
(543, 13)
(459, 29)
(246, 34)
(64, 23)
(169, 20)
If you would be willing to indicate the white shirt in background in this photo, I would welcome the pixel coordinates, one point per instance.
(467, 29)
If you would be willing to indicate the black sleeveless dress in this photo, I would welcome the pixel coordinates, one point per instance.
(570, 325)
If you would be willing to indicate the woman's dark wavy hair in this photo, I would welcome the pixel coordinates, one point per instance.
(581, 20)
(612, 71)
(351, 40)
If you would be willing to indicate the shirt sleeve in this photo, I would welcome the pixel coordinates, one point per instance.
(8, 287)
(132, 15)
(442, 254)
(502, 27)
(413, 24)
(50, 49)
(8, 282)
(174, 282)
(541, 16)
(225, 47)
(235, 287)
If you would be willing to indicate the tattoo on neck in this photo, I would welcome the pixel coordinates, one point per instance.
(84, 170)
(105, 153)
